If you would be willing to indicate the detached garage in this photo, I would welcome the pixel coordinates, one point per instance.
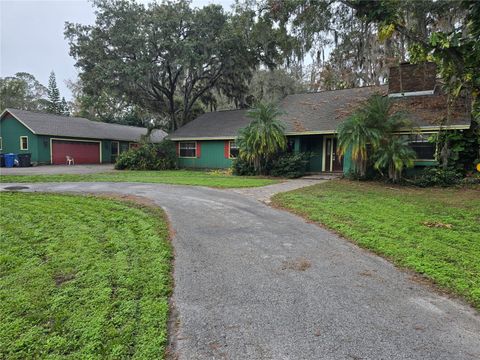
(50, 139)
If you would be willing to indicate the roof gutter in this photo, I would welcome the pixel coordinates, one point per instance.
(186, 138)
(325, 132)
(412, 93)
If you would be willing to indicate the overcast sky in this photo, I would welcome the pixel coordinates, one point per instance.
(31, 36)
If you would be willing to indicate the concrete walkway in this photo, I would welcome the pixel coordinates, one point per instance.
(56, 169)
(254, 282)
(264, 193)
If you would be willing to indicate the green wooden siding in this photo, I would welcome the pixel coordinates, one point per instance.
(313, 144)
(212, 156)
(347, 161)
(10, 131)
(39, 145)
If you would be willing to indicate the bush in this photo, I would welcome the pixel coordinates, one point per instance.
(161, 156)
(286, 165)
(435, 176)
(290, 165)
(243, 167)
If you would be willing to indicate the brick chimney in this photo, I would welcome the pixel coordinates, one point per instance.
(412, 79)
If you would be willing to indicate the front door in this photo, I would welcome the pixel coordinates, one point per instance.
(333, 162)
(337, 161)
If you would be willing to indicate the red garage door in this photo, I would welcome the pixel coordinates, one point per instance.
(81, 152)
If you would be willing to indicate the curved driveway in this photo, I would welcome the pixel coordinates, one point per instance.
(253, 282)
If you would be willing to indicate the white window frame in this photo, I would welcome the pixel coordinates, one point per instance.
(21, 142)
(180, 149)
(230, 147)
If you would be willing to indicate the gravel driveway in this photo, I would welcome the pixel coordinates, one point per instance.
(253, 282)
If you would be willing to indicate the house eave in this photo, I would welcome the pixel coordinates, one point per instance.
(432, 128)
(193, 138)
(411, 93)
(18, 119)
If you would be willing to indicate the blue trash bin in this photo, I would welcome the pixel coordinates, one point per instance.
(9, 160)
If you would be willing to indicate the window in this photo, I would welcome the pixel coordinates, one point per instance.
(424, 149)
(115, 148)
(23, 142)
(115, 151)
(233, 152)
(188, 149)
(1, 143)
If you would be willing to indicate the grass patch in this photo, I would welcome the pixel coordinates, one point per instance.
(82, 277)
(435, 232)
(178, 177)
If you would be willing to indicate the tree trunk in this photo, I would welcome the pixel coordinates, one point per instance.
(392, 173)
(363, 167)
(444, 154)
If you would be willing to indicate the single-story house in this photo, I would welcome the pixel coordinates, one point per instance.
(311, 120)
(51, 138)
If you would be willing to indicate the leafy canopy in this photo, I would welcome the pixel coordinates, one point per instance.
(22, 91)
(167, 57)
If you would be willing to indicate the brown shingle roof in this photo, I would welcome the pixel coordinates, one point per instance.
(55, 125)
(217, 124)
(322, 112)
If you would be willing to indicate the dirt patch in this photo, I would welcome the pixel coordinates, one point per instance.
(299, 264)
(63, 278)
(437, 224)
(367, 273)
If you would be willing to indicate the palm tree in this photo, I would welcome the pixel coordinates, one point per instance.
(371, 126)
(356, 135)
(378, 113)
(263, 138)
(394, 154)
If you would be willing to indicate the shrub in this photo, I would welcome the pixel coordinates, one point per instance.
(435, 176)
(290, 165)
(243, 167)
(161, 156)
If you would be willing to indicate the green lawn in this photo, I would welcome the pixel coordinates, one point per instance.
(179, 177)
(82, 278)
(435, 232)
